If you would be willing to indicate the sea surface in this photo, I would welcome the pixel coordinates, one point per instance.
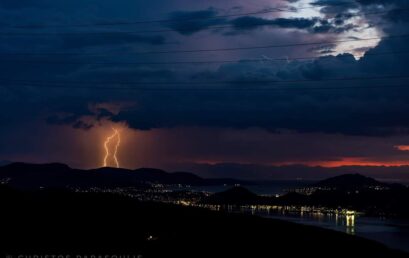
(390, 232)
(265, 188)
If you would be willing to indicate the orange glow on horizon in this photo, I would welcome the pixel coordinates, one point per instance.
(357, 162)
(327, 164)
(402, 147)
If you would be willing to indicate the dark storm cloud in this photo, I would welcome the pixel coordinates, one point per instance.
(127, 74)
(382, 2)
(339, 8)
(190, 23)
(314, 25)
(355, 111)
(82, 125)
(187, 23)
(398, 15)
(64, 42)
(11, 4)
(349, 111)
(110, 39)
(73, 120)
(73, 114)
(248, 22)
(342, 4)
(103, 113)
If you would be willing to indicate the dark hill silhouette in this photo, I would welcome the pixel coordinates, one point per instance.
(293, 198)
(243, 196)
(235, 195)
(58, 175)
(350, 181)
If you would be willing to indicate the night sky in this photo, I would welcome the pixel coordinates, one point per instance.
(221, 88)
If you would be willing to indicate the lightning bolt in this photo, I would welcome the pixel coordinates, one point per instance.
(118, 142)
(106, 147)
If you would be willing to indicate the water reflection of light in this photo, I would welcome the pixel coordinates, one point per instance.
(350, 223)
(343, 218)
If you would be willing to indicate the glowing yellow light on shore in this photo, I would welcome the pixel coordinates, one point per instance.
(106, 147)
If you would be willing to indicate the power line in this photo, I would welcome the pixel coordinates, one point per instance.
(198, 62)
(37, 85)
(113, 33)
(212, 82)
(212, 49)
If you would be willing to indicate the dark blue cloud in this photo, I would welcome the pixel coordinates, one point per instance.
(249, 22)
(398, 15)
(336, 7)
(349, 111)
(110, 39)
(336, 3)
(10, 4)
(356, 111)
(73, 120)
(190, 23)
(187, 23)
(381, 2)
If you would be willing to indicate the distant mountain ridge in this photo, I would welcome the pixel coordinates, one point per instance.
(57, 175)
(292, 172)
(330, 191)
(350, 181)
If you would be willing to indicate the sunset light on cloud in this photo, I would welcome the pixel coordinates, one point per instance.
(358, 162)
(361, 22)
(402, 147)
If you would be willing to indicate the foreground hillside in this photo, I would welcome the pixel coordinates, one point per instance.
(47, 222)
